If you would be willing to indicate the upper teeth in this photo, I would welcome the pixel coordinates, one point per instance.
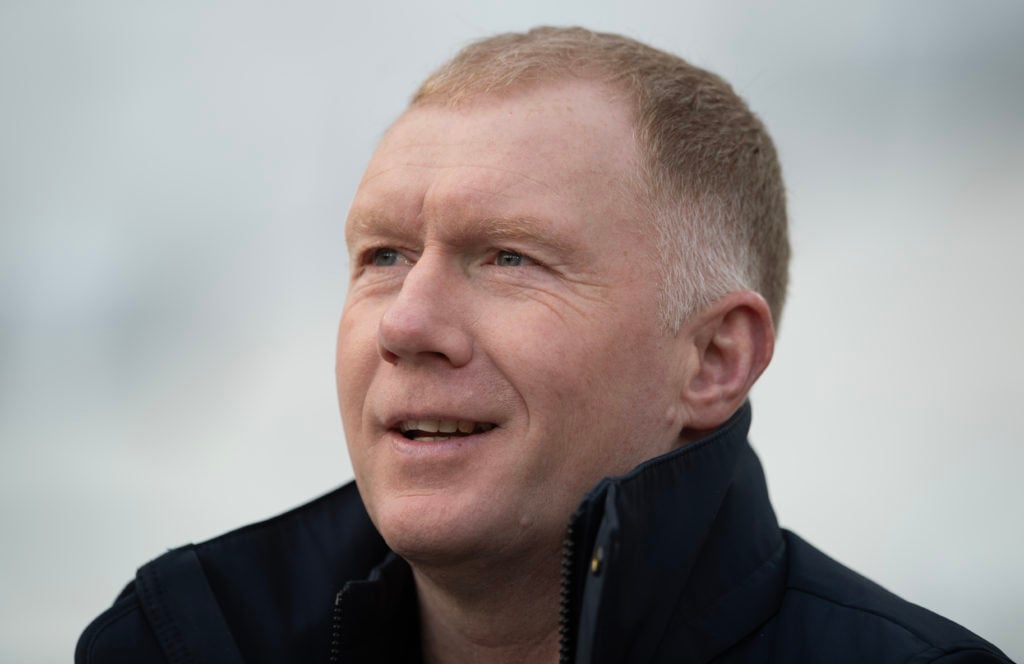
(442, 426)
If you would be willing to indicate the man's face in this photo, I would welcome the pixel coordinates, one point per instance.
(500, 351)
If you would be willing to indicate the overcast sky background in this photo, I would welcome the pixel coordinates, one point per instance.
(173, 183)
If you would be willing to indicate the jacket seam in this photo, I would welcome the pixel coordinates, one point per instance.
(942, 653)
(163, 622)
(929, 654)
(741, 585)
(863, 609)
(108, 619)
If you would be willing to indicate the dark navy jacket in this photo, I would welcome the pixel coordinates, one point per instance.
(681, 560)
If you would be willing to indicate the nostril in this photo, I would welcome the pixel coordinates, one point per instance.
(422, 338)
(424, 322)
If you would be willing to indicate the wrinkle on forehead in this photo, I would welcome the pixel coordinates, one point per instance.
(567, 156)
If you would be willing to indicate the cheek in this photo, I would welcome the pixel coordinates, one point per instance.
(355, 358)
(569, 379)
(607, 395)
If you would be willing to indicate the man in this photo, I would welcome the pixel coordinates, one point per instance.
(569, 258)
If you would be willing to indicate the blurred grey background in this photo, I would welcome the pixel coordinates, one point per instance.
(173, 182)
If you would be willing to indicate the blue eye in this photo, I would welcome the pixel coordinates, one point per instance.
(509, 259)
(385, 256)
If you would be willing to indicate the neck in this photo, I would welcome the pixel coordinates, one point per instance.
(494, 612)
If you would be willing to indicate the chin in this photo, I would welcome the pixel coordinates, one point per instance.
(439, 531)
(427, 528)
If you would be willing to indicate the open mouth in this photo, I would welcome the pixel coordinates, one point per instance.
(429, 430)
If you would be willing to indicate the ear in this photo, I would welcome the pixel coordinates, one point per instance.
(732, 343)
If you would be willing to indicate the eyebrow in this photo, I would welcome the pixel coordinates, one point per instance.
(362, 224)
(522, 229)
(526, 229)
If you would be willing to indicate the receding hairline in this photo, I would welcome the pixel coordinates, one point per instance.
(709, 172)
(543, 54)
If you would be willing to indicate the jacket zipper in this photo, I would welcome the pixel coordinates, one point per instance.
(565, 636)
(336, 628)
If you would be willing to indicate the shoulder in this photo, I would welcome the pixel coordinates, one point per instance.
(267, 588)
(120, 633)
(831, 613)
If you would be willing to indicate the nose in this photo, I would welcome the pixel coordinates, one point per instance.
(427, 319)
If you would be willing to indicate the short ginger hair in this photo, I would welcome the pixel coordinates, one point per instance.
(710, 175)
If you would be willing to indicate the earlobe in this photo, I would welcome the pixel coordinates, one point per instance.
(733, 341)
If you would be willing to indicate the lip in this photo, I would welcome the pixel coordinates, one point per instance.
(393, 421)
(433, 448)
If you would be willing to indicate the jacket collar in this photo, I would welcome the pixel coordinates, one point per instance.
(683, 555)
(675, 561)
(377, 619)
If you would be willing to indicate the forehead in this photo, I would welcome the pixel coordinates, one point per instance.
(560, 150)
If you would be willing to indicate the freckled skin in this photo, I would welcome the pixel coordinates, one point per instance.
(561, 350)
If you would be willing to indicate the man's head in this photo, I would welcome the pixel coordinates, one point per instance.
(503, 344)
(708, 170)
